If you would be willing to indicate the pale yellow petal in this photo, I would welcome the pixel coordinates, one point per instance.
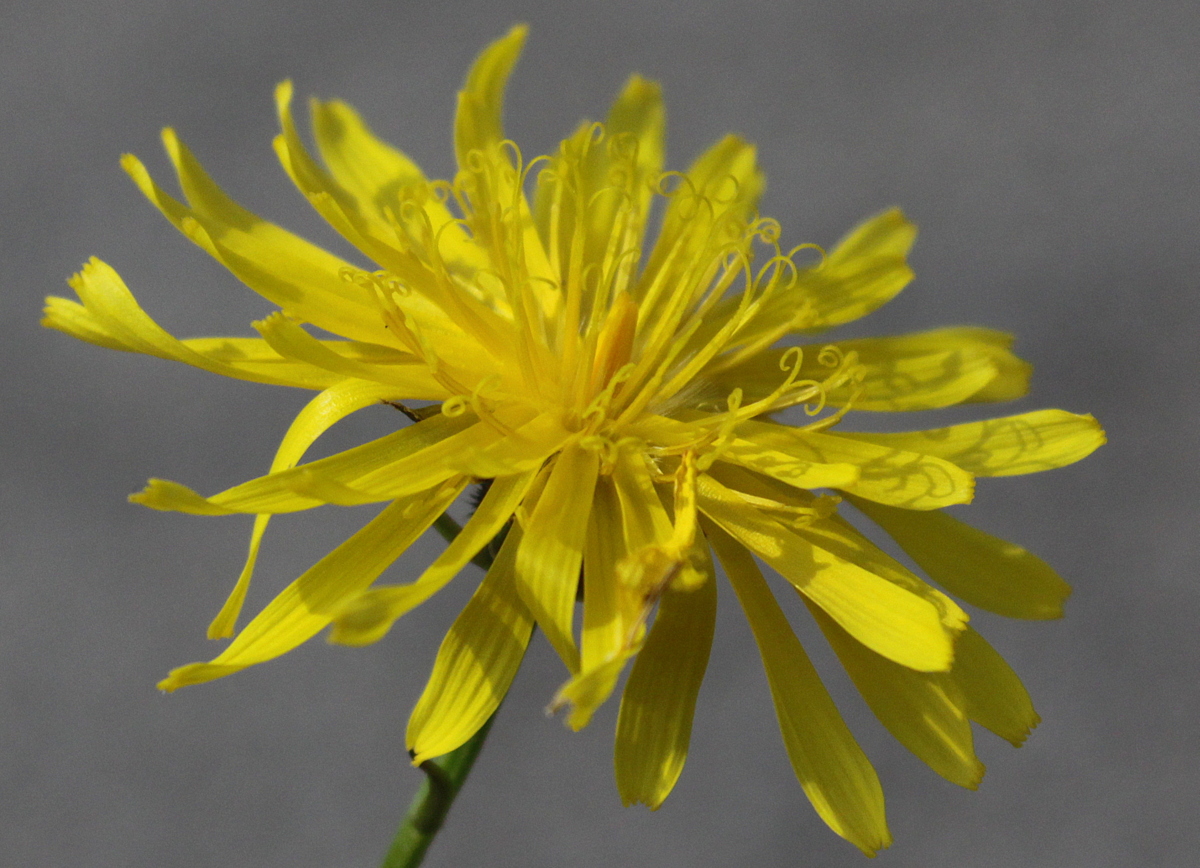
(277, 492)
(478, 125)
(385, 184)
(256, 356)
(976, 567)
(923, 710)
(308, 604)
(605, 628)
(290, 340)
(863, 271)
(552, 550)
(315, 419)
(723, 184)
(886, 474)
(755, 448)
(995, 697)
(837, 777)
(921, 371)
(588, 690)
(1026, 443)
(303, 279)
(885, 617)
(476, 662)
(111, 317)
(654, 726)
(366, 617)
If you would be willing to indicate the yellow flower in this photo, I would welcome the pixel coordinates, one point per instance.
(623, 409)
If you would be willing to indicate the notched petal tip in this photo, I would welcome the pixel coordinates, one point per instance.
(182, 676)
(1099, 435)
(167, 496)
(586, 692)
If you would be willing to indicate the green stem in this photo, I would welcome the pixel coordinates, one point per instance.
(444, 778)
(445, 775)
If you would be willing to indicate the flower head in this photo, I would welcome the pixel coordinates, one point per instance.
(621, 401)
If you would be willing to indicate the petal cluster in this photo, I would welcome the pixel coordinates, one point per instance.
(622, 401)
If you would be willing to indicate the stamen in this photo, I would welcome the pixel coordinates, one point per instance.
(597, 411)
(615, 345)
(609, 449)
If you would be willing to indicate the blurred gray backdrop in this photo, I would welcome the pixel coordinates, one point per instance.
(1050, 153)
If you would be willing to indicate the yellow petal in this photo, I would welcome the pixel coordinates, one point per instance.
(481, 451)
(723, 184)
(478, 124)
(300, 277)
(643, 517)
(631, 556)
(885, 617)
(1012, 373)
(462, 326)
(657, 552)
(636, 125)
(329, 199)
(366, 617)
(72, 318)
(592, 202)
(476, 662)
(923, 710)
(837, 777)
(309, 603)
(654, 726)
(921, 371)
(384, 183)
(605, 625)
(291, 341)
(886, 474)
(588, 690)
(756, 449)
(1026, 443)
(277, 492)
(995, 697)
(315, 419)
(256, 356)
(838, 537)
(863, 271)
(552, 550)
(111, 317)
(979, 568)
(368, 169)
(799, 473)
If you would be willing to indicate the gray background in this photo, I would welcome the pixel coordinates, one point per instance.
(1049, 153)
